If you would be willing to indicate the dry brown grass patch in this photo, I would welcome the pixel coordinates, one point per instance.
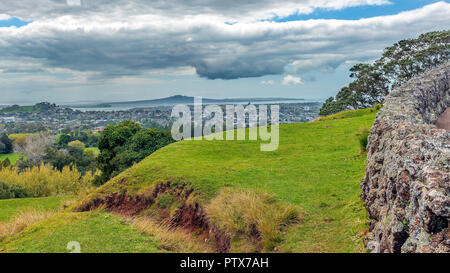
(255, 217)
(171, 239)
(21, 221)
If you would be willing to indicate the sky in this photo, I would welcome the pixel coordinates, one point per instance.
(78, 51)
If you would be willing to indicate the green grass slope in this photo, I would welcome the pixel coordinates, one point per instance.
(317, 168)
(95, 231)
(11, 207)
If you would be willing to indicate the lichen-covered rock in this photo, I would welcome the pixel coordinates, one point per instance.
(406, 188)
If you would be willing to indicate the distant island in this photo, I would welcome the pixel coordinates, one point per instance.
(180, 99)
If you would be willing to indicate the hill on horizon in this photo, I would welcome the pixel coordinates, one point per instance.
(180, 99)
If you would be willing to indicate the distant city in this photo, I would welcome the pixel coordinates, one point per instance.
(56, 119)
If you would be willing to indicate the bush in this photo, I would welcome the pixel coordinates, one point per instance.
(363, 137)
(14, 191)
(253, 215)
(45, 181)
(5, 192)
(19, 192)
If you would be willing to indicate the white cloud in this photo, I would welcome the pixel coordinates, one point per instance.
(109, 45)
(4, 16)
(268, 82)
(232, 10)
(289, 79)
(74, 2)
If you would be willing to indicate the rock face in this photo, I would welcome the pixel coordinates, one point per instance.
(406, 188)
(443, 121)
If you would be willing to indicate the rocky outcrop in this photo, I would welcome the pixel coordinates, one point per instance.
(406, 188)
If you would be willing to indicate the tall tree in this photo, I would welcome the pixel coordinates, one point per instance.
(398, 64)
(125, 144)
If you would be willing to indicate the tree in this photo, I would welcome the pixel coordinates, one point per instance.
(398, 64)
(408, 58)
(76, 147)
(6, 146)
(20, 143)
(369, 88)
(331, 106)
(112, 143)
(34, 150)
(73, 156)
(58, 158)
(125, 144)
(63, 140)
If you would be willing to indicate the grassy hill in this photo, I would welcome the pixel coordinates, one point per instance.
(37, 108)
(304, 197)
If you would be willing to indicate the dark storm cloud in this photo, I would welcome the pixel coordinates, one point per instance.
(109, 45)
(231, 9)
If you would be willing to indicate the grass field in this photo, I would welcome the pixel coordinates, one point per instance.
(317, 169)
(10, 207)
(13, 158)
(95, 231)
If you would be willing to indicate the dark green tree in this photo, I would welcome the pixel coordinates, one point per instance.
(58, 158)
(409, 58)
(63, 140)
(12, 191)
(125, 144)
(331, 106)
(398, 64)
(7, 146)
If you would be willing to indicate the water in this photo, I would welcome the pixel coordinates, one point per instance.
(124, 107)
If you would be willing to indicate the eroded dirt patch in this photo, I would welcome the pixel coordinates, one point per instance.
(189, 215)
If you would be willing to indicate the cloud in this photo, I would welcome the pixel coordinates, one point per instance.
(4, 17)
(232, 10)
(108, 45)
(289, 79)
(268, 82)
(74, 2)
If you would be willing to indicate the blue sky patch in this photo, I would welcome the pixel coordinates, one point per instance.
(13, 22)
(355, 13)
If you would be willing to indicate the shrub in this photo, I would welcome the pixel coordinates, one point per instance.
(5, 163)
(19, 192)
(363, 137)
(255, 215)
(47, 181)
(13, 191)
(5, 192)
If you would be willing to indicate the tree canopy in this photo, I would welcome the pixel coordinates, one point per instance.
(125, 144)
(398, 64)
